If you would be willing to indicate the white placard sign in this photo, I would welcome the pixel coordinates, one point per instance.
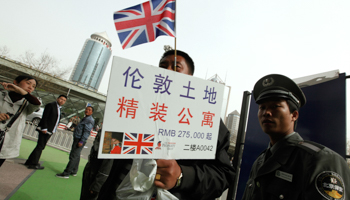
(153, 113)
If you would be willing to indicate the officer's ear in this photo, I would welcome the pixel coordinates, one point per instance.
(295, 116)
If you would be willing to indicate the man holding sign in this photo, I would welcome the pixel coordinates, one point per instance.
(185, 179)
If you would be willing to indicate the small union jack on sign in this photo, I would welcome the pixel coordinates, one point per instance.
(138, 143)
(145, 22)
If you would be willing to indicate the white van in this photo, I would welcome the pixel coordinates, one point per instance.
(35, 117)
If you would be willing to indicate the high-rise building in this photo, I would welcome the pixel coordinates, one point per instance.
(232, 123)
(227, 90)
(92, 61)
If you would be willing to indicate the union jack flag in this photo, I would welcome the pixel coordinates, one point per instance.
(145, 22)
(138, 143)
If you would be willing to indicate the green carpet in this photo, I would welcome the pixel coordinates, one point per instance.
(43, 184)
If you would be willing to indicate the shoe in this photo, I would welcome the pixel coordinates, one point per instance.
(35, 167)
(73, 174)
(62, 175)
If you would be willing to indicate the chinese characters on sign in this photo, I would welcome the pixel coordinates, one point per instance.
(161, 113)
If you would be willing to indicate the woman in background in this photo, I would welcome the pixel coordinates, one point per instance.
(12, 97)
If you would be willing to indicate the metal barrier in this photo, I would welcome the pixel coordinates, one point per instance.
(60, 140)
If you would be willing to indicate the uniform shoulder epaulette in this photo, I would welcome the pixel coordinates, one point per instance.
(310, 146)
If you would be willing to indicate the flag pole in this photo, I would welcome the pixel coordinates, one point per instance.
(175, 38)
(175, 56)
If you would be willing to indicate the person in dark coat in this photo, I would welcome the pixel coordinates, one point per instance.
(292, 168)
(95, 172)
(185, 179)
(47, 126)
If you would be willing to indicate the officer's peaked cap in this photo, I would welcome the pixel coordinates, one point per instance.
(276, 85)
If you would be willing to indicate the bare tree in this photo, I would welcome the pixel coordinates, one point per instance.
(44, 63)
(4, 51)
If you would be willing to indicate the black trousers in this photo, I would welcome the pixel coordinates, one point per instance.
(34, 157)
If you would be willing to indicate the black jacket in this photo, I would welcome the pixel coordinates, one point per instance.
(49, 118)
(207, 179)
(96, 171)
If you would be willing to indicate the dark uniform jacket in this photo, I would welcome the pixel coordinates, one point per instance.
(299, 169)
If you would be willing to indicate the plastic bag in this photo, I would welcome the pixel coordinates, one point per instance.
(138, 183)
(69, 124)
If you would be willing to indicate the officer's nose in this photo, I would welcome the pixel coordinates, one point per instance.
(267, 113)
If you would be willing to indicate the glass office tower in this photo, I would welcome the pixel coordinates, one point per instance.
(92, 61)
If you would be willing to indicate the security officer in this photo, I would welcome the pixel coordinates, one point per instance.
(292, 168)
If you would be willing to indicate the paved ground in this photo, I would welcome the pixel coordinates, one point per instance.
(19, 183)
(16, 174)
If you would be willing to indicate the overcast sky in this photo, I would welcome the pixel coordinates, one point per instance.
(240, 41)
